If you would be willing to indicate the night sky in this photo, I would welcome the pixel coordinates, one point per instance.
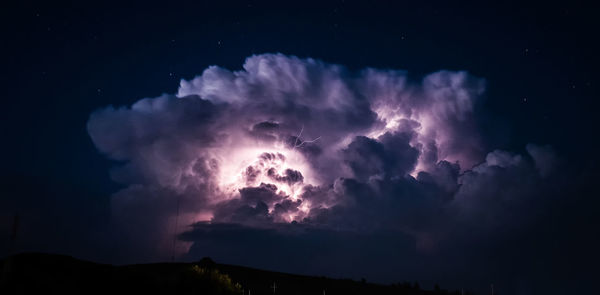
(451, 143)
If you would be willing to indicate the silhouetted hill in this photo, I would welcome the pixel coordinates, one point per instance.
(35, 273)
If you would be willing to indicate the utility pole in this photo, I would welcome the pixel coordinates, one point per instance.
(175, 232)
(492, 286)
(14, 234)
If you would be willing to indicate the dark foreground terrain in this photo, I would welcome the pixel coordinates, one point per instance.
(34, 273)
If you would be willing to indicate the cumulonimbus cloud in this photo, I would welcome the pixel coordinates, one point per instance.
(287, 143)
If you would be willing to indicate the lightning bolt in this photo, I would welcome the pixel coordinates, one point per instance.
(303, 142)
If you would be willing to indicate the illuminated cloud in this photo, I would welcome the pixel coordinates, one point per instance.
(289, 140)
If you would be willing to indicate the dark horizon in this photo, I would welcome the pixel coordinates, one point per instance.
(448, 143)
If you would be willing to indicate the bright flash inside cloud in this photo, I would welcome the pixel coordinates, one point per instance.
(245, 167)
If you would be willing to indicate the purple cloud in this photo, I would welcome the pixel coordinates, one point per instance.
(299, 141)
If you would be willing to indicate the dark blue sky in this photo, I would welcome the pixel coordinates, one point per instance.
(63, 61)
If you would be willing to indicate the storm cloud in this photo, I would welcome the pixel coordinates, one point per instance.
(310, 158)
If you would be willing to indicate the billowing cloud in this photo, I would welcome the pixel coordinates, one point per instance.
(299, 151)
